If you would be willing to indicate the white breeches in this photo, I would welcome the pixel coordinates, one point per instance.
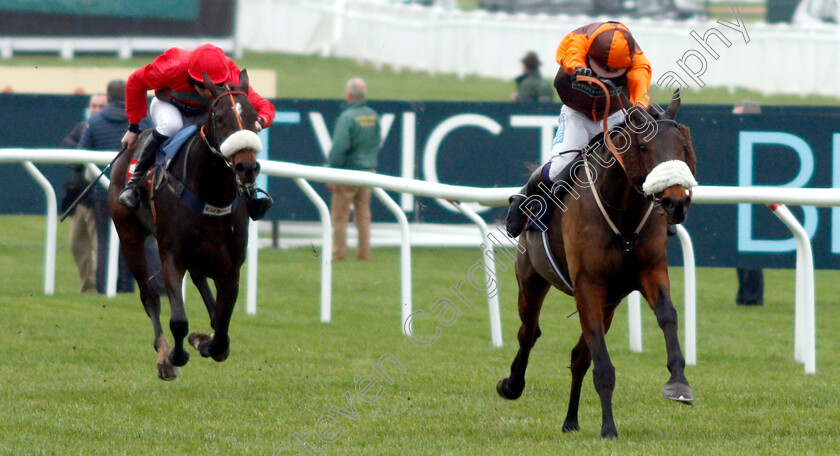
(574, 131)
(168, 119)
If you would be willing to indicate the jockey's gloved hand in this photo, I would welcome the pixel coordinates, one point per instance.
(583, 71)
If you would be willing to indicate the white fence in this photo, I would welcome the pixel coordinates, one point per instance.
(804, 319)
(769, 58)
(124, 47)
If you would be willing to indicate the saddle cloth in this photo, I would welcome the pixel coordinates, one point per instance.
(172, 145)
(168, 150)
(538, 224)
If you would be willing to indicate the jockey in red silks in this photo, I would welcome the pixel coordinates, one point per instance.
(606, 50)
(180, 100)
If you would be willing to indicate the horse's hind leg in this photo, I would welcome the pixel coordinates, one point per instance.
(532, 291)
(132, 239)
(657, 290)
(581, 360)
(173, 275)
(200, 282)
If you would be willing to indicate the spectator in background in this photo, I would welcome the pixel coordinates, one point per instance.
(530, 86)
(82, 224)
(95, 104)
(355, 145)
(750, 280)
(105, 133)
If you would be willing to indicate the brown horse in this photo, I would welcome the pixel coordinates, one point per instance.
(196, 211)
(591, 244)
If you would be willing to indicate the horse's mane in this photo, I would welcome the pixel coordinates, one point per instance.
(633, 164)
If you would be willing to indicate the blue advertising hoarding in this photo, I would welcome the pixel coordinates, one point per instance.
(496, 144)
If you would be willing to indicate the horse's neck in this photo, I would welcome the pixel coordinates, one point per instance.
(622, 201)
(208, 176)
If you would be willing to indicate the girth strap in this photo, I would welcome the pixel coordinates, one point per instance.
(194, 202)
(553, 261)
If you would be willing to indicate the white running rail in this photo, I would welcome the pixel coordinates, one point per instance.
(805, 336)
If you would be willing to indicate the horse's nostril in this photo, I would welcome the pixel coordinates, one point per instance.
(257, 167)
(239, 167)
(667, 203)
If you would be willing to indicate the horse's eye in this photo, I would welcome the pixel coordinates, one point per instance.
(643, 148)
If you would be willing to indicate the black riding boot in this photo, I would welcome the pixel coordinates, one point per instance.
(257, 207)
(537, 184)
(515, 220)
(130, 195)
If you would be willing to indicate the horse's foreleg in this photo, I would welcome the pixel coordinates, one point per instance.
(173, 275)
(200, 282)
(532, 291)
(581, 359)
(217, 345)
(591, 303)
(657, 290)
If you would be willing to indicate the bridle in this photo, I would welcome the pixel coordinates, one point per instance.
(229, 94)
(654, 201)
(626, 244)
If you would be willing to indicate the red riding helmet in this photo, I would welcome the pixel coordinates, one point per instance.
(211, 60)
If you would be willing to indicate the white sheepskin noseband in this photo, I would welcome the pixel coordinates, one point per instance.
(242, 139)
(667, 174)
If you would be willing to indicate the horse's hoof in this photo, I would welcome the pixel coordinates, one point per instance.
(221, 356)
(167, 371)
(179, 357)
(679, 392)
(197, 339)
(504, 389)
(609, 433)
(570, 427)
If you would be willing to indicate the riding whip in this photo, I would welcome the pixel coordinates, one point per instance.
(90, 186)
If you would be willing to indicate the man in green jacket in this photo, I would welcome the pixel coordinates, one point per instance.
(355, 145)
(530, 86)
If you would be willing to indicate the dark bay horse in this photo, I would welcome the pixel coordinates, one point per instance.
(196, 210)
(608, 238)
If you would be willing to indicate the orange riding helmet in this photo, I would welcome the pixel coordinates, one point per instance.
(611, 50)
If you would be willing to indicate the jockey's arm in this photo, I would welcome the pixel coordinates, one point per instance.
(265, 110)
(136, 88)
(571, 52)
(135, 104)
(638, 79)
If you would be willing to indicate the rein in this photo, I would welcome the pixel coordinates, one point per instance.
(607, 138)
(627, 245)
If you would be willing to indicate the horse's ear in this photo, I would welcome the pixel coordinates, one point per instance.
(638, 119)
(671, 112)
(210, 85)
(625, 100)
(690, 158)
(243, 81)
